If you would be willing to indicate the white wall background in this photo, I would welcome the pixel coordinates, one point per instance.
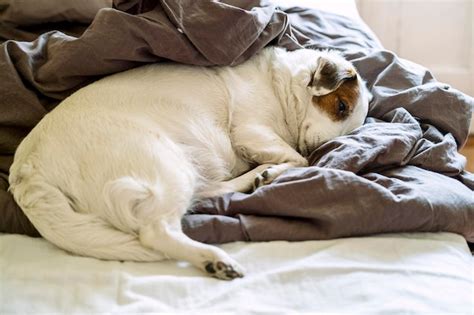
(438, 34)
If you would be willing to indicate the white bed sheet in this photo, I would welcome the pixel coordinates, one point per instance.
(422, 273)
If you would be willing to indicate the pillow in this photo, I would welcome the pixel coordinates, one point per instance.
(30, 12)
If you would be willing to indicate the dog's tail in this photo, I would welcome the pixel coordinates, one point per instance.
(50, 211)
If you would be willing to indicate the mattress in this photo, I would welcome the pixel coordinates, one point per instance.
(419, 273)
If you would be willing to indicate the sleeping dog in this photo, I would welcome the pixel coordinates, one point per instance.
(111, 171)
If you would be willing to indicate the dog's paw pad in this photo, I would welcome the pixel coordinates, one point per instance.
(266, 177)
(258, 181)
(224, 271)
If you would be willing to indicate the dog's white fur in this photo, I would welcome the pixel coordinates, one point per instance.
(111, 171)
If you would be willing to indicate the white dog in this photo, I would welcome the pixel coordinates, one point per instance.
(111, 171)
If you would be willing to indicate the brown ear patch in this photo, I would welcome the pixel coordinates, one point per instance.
(330, 75)
(347, 94)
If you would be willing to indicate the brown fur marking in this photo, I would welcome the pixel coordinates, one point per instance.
(348, 92)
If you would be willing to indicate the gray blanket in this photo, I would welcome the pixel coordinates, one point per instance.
(399, 172)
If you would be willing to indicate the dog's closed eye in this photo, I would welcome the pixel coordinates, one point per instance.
(342, 107)
(340, 103)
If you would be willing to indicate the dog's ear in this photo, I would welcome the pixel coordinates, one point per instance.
(329, 75)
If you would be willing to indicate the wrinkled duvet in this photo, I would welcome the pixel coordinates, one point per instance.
(400, 172)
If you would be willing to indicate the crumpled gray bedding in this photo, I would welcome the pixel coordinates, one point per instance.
(400, 172)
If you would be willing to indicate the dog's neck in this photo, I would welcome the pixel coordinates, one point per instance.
(279, 109)
(287, 91)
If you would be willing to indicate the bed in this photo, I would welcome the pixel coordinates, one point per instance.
(417, 273)
(296, 261)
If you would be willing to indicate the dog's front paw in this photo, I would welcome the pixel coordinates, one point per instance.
(224, 270)
(266, 177)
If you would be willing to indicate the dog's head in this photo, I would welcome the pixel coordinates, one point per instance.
(331, 95)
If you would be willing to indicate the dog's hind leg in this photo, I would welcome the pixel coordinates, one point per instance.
(166, 236)
(153, 211)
